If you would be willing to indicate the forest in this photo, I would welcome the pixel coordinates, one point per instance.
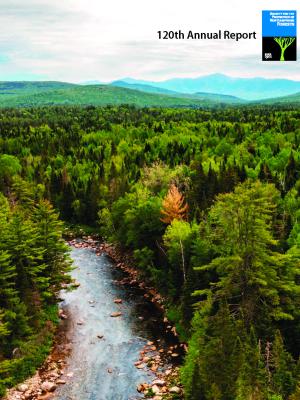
(207, 201)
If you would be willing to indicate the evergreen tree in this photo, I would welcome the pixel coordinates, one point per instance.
(252, 381)
(283, 368)
(55, 251)
(249, 271)
(27, 257)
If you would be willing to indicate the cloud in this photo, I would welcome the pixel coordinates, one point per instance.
(77, 40)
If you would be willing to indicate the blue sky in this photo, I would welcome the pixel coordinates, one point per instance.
(80, 40)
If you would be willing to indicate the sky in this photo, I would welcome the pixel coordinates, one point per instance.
(105, 40)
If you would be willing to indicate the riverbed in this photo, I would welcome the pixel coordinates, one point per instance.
(101, 365)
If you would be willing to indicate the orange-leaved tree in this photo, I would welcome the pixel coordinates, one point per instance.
(173, 206)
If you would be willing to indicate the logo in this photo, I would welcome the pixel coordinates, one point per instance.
(279, 35)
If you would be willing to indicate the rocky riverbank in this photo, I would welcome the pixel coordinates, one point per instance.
(47, 378)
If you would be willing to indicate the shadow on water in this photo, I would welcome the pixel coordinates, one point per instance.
(103, 368)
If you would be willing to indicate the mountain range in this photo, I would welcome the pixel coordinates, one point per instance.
(245, 88)
(212, 90)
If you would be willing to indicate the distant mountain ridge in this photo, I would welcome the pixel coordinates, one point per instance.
(201, 95)
(39, 93)
(244, 88)
(143, 87)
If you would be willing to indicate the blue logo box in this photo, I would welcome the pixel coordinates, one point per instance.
(281, 23)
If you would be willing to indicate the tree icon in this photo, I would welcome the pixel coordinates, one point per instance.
(284, 43)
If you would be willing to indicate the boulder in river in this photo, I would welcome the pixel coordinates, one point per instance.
(61, 382)
(48, 386)
(118, 301)
(142, 387)
(159, 382)
(116, 314)
(140, 366)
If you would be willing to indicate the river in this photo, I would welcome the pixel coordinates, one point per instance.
(103, 368)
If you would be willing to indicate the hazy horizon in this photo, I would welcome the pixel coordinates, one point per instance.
(157, 81)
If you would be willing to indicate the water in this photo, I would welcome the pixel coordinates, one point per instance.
(103, 369)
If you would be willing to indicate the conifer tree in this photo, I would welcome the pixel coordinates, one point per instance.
(8, 293)
(252, 381)
(174, 206)
(4, 331)
(250, 272)
(8, 298)
(283, 368)
(27, 256)
(55, 251)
